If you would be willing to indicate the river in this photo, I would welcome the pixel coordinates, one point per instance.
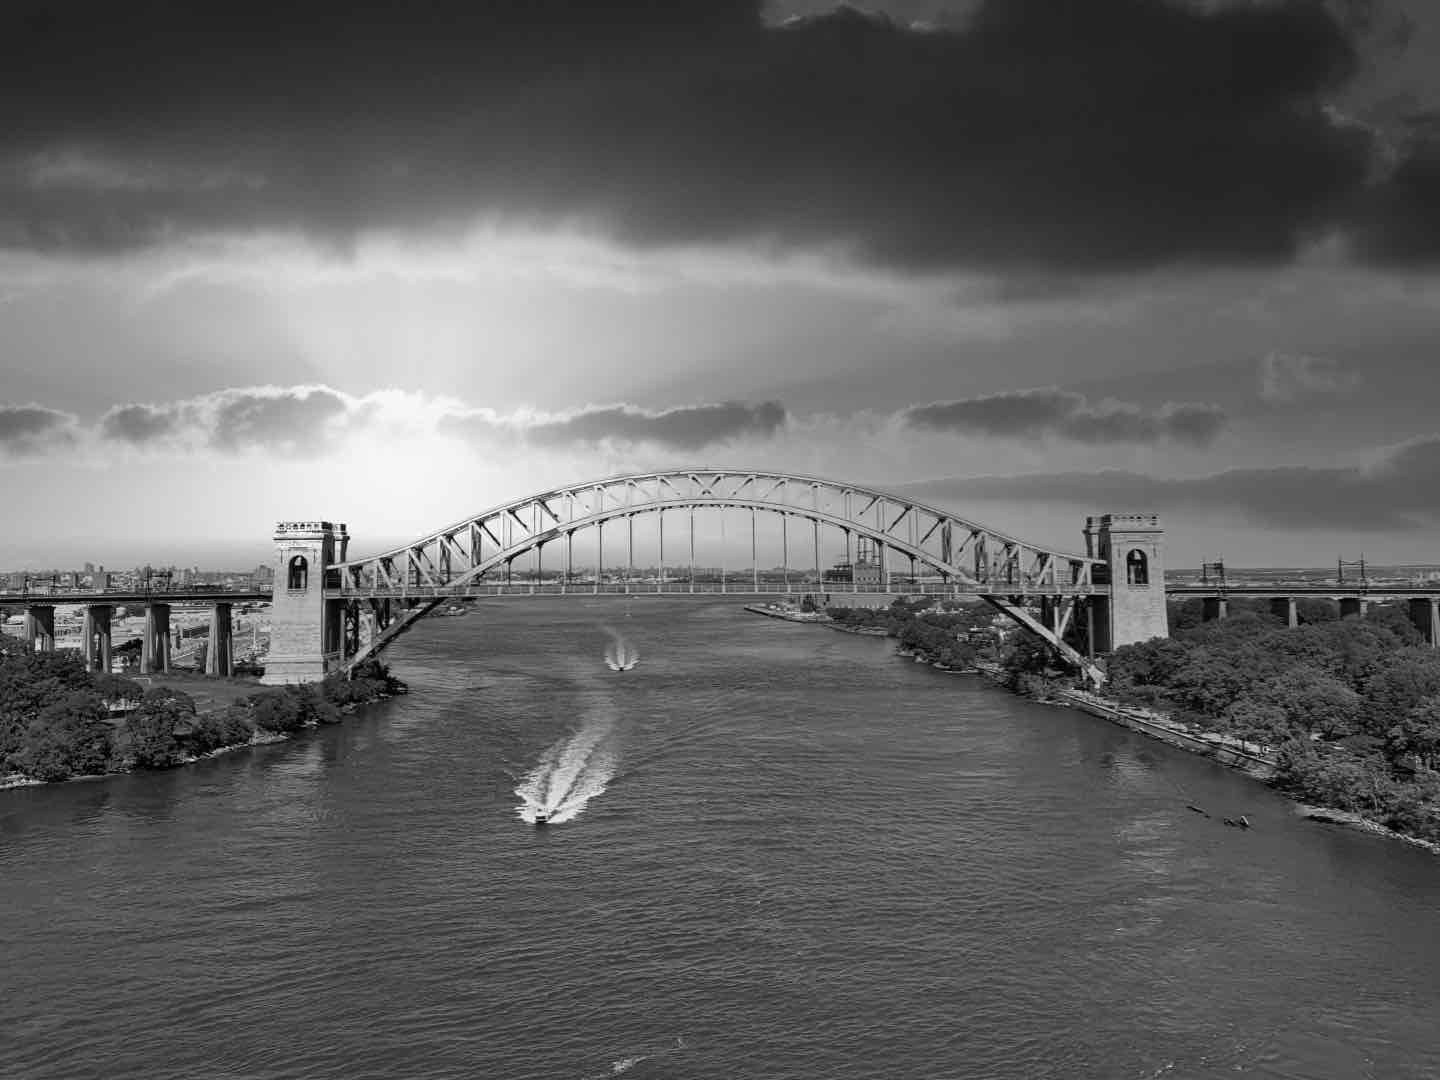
(776, 852)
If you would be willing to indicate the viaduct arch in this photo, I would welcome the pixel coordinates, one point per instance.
(331, 612)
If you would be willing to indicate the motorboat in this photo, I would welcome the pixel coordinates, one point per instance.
(542, 817)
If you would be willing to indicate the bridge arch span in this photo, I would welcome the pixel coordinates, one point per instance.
(970, 558)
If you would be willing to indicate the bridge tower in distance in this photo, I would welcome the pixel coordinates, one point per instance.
(305, 626)
(1133, 550)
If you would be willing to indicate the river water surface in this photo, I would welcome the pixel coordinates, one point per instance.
(775, 852)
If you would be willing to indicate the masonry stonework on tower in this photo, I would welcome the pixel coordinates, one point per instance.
(305, 627)
(1132, 546)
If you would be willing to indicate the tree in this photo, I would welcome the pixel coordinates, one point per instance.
(1417, 735)
(1312, 701)
(1028, 655)
(230, 726)
(67, 738)
(278, 713)
(1410, 677)
(1309, 610)
(1147, 663)
(154, 735)
(1258, 721)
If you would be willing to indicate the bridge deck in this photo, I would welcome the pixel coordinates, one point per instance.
(729, 588)
(132, 596)
(1369, 592)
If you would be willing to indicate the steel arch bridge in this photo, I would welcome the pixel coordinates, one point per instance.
(473, 556)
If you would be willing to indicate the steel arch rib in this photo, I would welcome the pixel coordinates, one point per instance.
(693, 488)
(594, 487)
(557, 532)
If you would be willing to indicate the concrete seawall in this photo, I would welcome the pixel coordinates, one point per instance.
(1247, 757)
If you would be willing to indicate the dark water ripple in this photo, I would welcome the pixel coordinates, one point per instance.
(810, 860)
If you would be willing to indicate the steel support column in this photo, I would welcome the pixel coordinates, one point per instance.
(1214, 607)
(97, 641)
(1425, 614)
(40, 627)
(155, 644)
(1283, 607)
(1353, 606)
(220, 655)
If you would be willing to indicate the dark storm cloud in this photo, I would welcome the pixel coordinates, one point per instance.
(1399, 220)
(1051, 411)
(1396, 494)
(688, 427)
(1103, 135)
(33, 429)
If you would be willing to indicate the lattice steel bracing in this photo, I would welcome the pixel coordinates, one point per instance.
(958, 556)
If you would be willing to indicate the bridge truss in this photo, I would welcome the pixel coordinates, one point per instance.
(919, 548)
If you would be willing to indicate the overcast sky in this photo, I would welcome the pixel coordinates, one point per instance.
(1032, 259)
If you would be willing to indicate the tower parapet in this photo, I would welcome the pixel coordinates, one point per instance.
(1132, 546)
(305, 626)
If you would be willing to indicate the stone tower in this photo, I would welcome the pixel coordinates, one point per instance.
(305, 625)
(1132, 547)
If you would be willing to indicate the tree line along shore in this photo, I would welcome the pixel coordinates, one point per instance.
(57, 722)
(1350, 708)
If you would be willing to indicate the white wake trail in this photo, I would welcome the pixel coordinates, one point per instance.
(570, 772)
(620, 653)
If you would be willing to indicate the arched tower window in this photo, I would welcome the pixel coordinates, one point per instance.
(299, 573)
(1137, 568)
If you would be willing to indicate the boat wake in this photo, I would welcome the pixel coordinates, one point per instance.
(625, 1064)
(620, 654)
(570, 773)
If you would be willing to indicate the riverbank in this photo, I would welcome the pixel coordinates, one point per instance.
(1329, 816)
(258, 738)
(813, 618)
(57, 725)
(1256, 761)
(924, 633)
(1259, 761)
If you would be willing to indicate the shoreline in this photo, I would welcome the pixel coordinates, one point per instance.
(258, 737)
(1245, 758)
(1248, 758)
(820, 619)
(814, 619)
